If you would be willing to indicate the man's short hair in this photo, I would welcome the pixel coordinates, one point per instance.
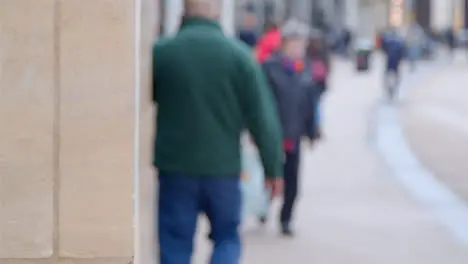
(206, 8)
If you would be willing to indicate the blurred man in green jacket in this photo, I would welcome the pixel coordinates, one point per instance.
(208, 89)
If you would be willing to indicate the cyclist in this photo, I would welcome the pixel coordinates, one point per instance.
(394, 48)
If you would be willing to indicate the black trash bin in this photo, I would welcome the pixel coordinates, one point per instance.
(362, 60)
(363, 50)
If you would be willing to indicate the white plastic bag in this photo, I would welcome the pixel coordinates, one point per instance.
(255, 196)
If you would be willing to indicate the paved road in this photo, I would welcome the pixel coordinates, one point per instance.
(436, 124)
(352, 210)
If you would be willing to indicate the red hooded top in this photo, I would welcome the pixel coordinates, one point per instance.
(268, 43)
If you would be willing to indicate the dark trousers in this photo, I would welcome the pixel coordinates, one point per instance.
(181, 199)
(291, 173)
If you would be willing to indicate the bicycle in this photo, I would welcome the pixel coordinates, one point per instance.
(392, 82)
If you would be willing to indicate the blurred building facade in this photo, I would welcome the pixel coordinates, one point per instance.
(363, 17)
(328, 14)
(436, 15)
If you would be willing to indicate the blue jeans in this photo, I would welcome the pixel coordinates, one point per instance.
(181, 199)
(317, 114)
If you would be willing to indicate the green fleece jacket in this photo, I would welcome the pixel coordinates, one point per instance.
(208, 89)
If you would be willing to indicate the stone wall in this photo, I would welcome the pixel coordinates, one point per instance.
(67, 131)
(27, 125)
(67, 85)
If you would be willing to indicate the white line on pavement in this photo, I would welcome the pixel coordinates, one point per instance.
(434, 195)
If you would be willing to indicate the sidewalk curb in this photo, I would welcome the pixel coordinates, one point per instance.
(390, 142)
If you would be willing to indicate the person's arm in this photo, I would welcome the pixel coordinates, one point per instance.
(260, 114)
(153, 74)
(312, 118)
(158, 52)
(267, 69)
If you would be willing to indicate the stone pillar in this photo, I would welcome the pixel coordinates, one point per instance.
(173, 10)
(369, 16)
(352, 15)
(381, 13)
(339, 14)
(228, 17)
(67, 117)
(441, 14)
(28, 124)
(300, 9)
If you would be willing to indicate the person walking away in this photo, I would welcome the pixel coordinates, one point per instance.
(268, 43)
(319, 57)
(291, 81)
(207, 88)
(248, 32)
(346, 41)
(451, 41)
(394, 51)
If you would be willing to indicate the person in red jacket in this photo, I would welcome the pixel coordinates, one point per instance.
(268, 43)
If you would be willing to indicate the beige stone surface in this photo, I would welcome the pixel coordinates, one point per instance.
(77, 114)
(26, 128)
(96, 128)
(68, 261)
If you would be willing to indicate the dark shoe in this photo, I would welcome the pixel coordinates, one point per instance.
(263, 220)
(286, 230)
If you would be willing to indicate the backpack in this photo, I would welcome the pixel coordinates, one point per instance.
(319, 70)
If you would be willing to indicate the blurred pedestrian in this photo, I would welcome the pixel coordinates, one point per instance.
(208, 88)
(450, 36)
(269, 43)
(248, 32)
(347, 40)
(290, 78)
(394, 49)
(378, 39)
(319, 56)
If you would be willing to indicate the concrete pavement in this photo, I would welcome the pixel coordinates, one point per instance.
(436, 124)
(352, 210)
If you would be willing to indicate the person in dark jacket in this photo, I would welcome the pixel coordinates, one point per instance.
(451, 41)
(208, 89)
(290, 79)
(394, 49)
(347, 39)
(248, 33)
